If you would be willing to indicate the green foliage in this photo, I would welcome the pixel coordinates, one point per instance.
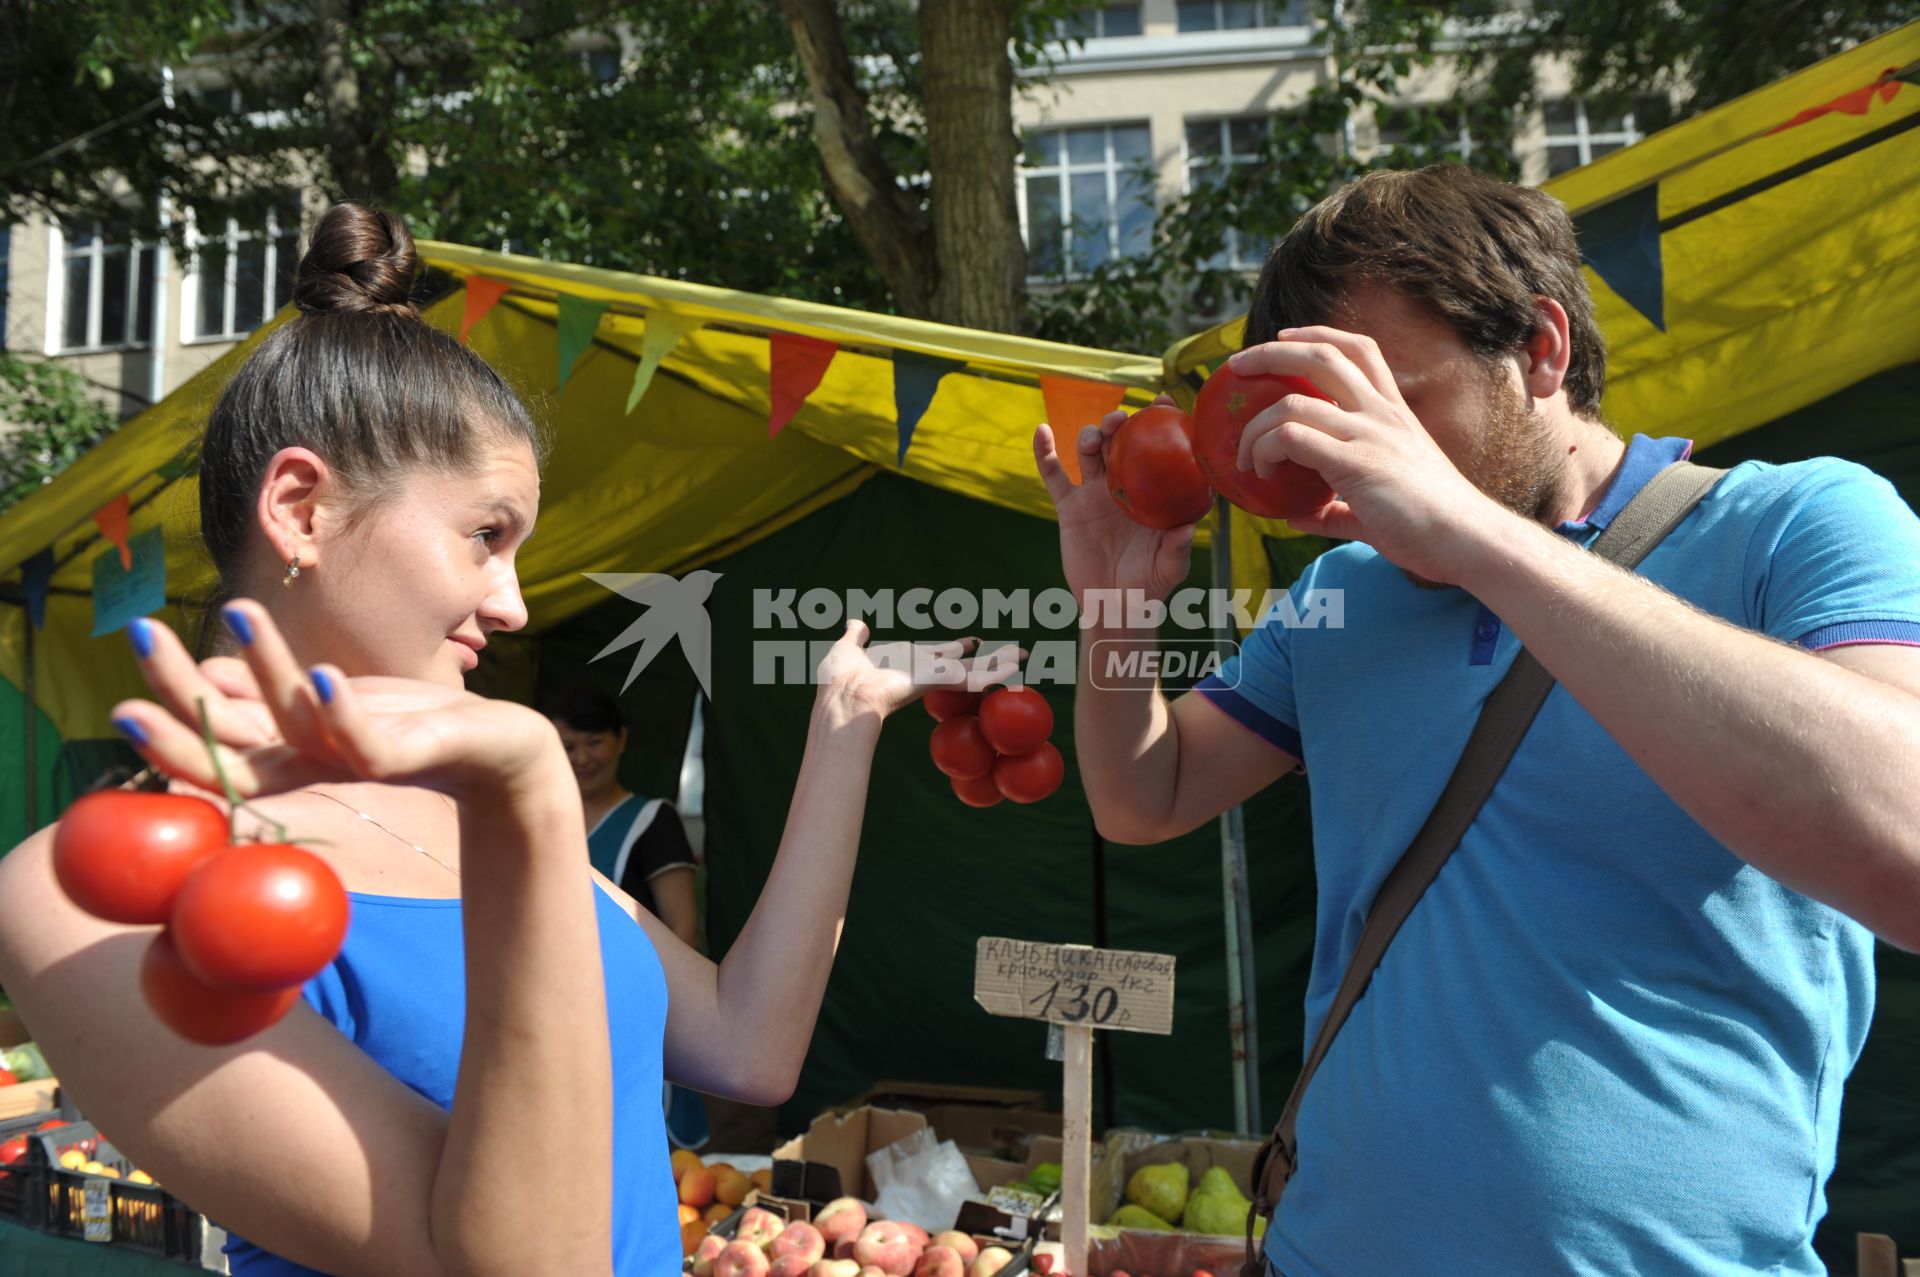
(52, 418)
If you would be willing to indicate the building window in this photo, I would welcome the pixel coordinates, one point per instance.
(602, 64)
(105, 294)
(243, 274)
(1576, 137)
(1238, 15)
(1213, 147)
(1087, 197)
(1101, 21)
(1421, 134)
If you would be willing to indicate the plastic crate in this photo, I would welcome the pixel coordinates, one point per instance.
(14, 1179)
(140, 1217)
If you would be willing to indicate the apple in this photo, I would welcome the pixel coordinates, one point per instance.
(759, 1227)
(843, 1217)
(741, 1259)
(888, 1247)
(990, 1261)
(967, 1247)
(940, 1261)
(800, 1240)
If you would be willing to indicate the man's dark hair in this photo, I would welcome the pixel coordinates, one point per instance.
(1472, 249)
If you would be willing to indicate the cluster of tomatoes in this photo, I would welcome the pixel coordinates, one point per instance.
(995, 746)
(1164, 467)
(243, 925)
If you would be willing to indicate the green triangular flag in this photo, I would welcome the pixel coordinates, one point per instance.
(664, 332)
(578, 320)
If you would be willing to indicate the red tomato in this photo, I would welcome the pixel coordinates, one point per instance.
(959, 748)
(122, 855)
(1227, 403)
(13, 1153)
(1016, 720)
(1027, 778)
(944, 702)
(211, 1017)
(7, 1078)
(980, 791)
(259, 917)
(1152, 473)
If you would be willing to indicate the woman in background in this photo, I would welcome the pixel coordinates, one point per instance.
(636, 842)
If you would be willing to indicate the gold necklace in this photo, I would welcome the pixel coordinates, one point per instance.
(383, 829)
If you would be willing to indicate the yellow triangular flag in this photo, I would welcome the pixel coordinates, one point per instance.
(663, 333)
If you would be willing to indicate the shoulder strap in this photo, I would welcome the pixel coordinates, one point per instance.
(1509, 711)
(642, 821)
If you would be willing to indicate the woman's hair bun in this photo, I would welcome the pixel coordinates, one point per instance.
(361, 261)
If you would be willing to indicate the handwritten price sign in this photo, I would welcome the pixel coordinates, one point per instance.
(1074, 984)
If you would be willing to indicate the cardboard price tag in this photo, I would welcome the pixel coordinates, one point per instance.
(1074, 984)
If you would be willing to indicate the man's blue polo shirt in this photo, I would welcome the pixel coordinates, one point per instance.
(1601, 1043)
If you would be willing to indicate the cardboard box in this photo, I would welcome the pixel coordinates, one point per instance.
(1131, 1150)
(830, 1160)
(978, 1119)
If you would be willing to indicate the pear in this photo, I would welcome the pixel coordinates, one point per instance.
(1217, 1207)
(1161, 1189)
(1138, 1217)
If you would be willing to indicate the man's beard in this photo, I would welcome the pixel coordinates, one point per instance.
(1514, 460)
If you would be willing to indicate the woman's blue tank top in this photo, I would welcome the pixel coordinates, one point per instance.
(398, 990)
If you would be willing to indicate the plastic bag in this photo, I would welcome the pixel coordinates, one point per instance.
(921, 1182)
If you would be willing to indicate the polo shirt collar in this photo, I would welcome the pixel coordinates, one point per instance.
(1645, 458)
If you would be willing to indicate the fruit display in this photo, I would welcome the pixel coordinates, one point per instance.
(1158, 1199)
(243, 924)
(995, 746)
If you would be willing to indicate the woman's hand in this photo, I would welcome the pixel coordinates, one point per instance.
(278, 727)
(882, 678)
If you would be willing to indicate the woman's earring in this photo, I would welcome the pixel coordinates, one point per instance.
(293, 570)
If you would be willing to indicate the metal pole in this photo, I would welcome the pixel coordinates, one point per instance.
(1243, 1019)
(33, 754)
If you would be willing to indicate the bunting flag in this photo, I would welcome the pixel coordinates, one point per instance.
(36, 575)
(579, 318)
(663, 333)
(112, 518)
(1621, 241)
(1856, 102)
(794, 372)
(483, 295)
(916, 379)
(138, 589)
(1072, 405)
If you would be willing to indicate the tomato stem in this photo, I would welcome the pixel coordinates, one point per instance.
(235, 804)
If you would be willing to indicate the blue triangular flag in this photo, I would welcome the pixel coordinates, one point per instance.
(1621, 241)
(36, 576)
(916, 379)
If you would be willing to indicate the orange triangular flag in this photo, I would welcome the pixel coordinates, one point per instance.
(112, 518)
(483, 294)
(1072, 405)
(794, 368)
(1855, 103)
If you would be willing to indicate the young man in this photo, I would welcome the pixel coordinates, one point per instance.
(1612, 1035)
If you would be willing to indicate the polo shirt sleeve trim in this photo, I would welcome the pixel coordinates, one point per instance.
(1850, 633)
(1280, 735)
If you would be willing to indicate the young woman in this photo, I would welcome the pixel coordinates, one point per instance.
(635, 841)
(474, 1086)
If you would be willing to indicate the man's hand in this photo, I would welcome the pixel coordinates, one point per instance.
(1100, 547)
(1397, 490)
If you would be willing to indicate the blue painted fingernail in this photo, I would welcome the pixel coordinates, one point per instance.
(131, 729)
(140, 631)
(323, 685)
(238, 625)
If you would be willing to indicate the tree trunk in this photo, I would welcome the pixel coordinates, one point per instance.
(972, 151)
(884, 217)
(356, 130)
